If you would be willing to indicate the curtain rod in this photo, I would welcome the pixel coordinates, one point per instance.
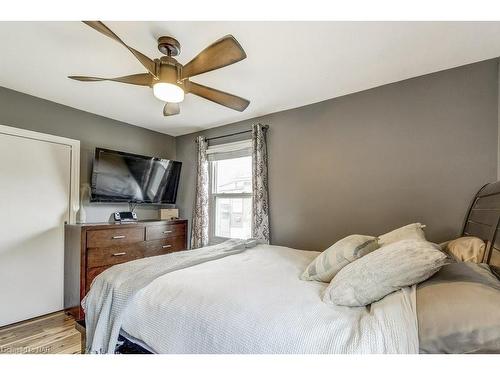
(265, 127)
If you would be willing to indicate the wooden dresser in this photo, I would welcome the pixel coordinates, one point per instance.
(92, 248)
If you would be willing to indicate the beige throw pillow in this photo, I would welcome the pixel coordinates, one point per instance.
(384, 271)
(466, 249)
(408, 232)
(332, 260)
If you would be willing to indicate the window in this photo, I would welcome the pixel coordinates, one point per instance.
(230, 191)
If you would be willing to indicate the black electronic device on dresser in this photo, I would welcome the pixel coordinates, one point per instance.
(90, 249)
(125, 216)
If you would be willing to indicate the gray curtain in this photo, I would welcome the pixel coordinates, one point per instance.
(199, 228)
(260, 227)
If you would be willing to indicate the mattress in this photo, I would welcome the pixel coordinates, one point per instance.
(255, 302)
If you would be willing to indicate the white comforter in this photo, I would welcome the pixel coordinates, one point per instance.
(254, 302)
(111, 291)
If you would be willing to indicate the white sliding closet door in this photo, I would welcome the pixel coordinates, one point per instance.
(35, 195)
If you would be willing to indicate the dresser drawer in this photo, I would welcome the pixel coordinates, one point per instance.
(157, 232)
(165, 246)
(113, 237)
(106, 256)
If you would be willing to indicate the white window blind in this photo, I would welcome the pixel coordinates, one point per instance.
(229, 150)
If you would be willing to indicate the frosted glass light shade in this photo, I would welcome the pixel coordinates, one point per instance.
(168, 92)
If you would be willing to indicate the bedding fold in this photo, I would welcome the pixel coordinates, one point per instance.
(112, 290)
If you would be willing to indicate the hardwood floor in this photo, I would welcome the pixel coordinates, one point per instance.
(49, 334)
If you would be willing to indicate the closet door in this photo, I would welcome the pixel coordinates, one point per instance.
(35, 188)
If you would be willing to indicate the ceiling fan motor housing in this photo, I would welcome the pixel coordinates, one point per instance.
(170, 70)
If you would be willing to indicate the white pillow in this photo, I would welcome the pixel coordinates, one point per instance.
(408, 232)
(384, 271)
(326, 265)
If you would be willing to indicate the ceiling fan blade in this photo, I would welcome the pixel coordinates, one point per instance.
(223, 52)
(143, 59)
(142, 79)
(171, 109)
(217, 96)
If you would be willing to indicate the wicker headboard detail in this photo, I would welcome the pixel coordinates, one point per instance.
(483, 221)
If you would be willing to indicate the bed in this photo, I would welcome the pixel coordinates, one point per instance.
(254, 302)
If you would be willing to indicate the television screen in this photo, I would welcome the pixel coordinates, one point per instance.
(122, 177)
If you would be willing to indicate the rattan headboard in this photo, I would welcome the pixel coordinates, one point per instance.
(483, 221)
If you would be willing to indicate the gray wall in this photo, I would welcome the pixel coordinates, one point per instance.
(415, 150)
(28, 112)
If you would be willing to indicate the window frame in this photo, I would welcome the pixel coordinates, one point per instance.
(213, 196)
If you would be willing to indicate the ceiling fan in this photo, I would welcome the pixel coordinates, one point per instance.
(170, 80)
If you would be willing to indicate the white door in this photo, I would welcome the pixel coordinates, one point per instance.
(35, 196)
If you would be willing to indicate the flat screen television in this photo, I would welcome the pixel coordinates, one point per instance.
(122, 177)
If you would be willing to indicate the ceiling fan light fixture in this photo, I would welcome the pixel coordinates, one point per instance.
(168, 92)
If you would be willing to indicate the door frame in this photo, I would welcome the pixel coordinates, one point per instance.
(74, 197)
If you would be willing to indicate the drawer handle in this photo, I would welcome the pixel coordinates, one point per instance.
(166, 246)
(118, 237)
(167, 231)
(119, 254)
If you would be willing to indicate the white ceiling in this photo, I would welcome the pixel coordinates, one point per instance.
(289, 64)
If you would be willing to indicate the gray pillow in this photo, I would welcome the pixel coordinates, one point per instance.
(458, 310)
(384, 271)
(326, 265)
